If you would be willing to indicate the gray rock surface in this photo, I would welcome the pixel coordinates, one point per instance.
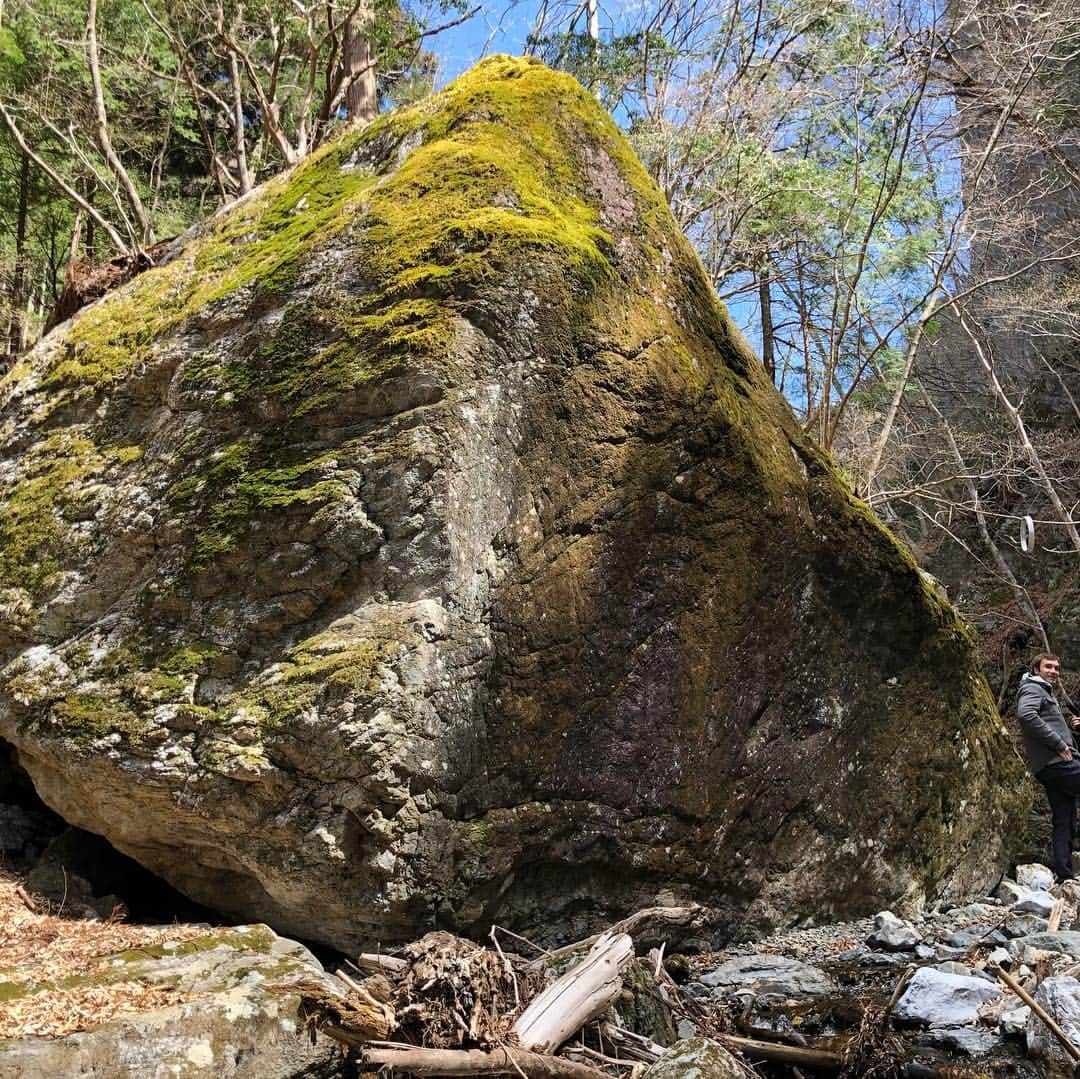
(695, 1058)
(892, 934)
(952, 967)
(966, 937)
(768, 975)
(421, 540)
(1014, 1022)
(937, 999)
(1064, 940)
(1009, 892)
(245, 1026)
(1024, 925)
(1037, 903)
(1035, 877)
(1060, 996)
(974, 912)
(967, 1040)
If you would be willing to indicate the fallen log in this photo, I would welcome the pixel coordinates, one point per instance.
(581, 994)
(364, 1019)
(388, 964)
(631, 1044)
(821, 1059)
(474, 1062)
(649, 918)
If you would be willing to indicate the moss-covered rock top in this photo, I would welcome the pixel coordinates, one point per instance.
(424, 535)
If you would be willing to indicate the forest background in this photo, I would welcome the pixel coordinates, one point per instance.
(884, 192)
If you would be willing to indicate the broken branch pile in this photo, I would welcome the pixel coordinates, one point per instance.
(454, 1007)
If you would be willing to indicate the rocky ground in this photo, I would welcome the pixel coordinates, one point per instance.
(85, 990)
(808, 986)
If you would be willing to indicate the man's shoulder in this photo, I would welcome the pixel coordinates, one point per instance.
(1033, 687)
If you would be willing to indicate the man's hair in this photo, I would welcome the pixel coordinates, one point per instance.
(1036, 663)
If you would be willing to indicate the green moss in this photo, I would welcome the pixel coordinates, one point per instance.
(189, 659)
(477, 832)
(323, 668)
(243, 480)
(87, 717)
(493, 176)
(56, 486)
(259, 940)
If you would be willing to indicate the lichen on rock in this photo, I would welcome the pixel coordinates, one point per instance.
(423, 541)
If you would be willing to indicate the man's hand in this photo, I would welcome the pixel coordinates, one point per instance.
(1065, 754)
(1074, 722)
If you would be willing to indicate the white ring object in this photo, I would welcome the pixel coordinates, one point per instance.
(1027, 534)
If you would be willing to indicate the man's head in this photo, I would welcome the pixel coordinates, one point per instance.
(1047, 666)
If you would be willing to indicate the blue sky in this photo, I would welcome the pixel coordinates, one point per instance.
(494, 28)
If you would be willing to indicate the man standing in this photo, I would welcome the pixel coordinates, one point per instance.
(1052, 753)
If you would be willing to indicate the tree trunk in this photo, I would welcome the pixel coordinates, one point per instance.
(768, 348)
(358, 60)
(101, 132)
(239, 131)
(17, 331)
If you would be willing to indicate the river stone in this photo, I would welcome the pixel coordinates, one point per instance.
(885, 959)
(421, 542)
(952, 967)
(974, 912)
(969, 935)
(768, 975)
(1066, 941)
(1024, 925)
(695, 1058)
(245, 1026)
(893, 935)
(1009, 892)
(1060, 996)
(1014, 1022)
(1037, 903)
(1035, 877)
(937, 999)
(967, 1040)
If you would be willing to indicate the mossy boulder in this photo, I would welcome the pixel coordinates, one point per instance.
(238, 1015)
(423, 543)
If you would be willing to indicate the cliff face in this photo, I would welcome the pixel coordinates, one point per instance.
(422, 541)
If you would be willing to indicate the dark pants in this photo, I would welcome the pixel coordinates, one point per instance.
(1062, 782)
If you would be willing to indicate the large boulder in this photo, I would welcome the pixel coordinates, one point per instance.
(422, 542)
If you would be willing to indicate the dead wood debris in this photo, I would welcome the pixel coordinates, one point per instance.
(454, 1007)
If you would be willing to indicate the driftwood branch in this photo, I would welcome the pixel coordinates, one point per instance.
(388, 964)
(1039, 1010)
(650, 918)
(475, 1062)
(1053, 923)
(581, 994)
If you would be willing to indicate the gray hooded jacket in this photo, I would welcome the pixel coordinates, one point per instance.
(1042, 726)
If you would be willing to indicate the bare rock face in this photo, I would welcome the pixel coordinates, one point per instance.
(423, 544)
